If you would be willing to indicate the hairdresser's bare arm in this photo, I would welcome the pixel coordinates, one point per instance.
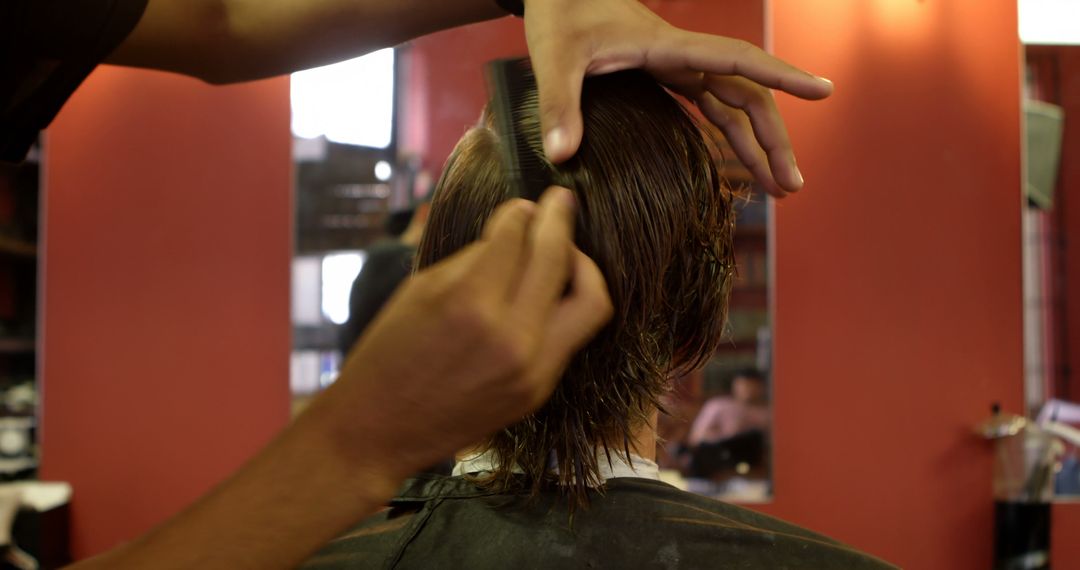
(225, 41)
(468, 346)
(301, 491)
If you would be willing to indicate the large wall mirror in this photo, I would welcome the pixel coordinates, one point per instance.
(715, 439)
(1051, 222)
(370, 139)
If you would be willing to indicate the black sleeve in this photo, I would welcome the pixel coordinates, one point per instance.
(47, 48)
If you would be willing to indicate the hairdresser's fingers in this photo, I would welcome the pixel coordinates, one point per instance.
(559, 87)
(579, 316)
(768, 126)
(689, 84)
(751, 123)
(502, 246)
(559, 72)
(551, 241)
(737, 130)
(679, 49)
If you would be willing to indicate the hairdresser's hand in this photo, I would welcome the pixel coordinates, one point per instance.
(476, 341)
(464, 348)
(728, 79)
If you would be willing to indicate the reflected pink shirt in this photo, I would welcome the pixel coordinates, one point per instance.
(723, 417)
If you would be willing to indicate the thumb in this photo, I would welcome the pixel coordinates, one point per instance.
(559, 76)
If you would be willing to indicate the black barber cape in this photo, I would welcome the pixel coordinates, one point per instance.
(47, 48)
(449, 522)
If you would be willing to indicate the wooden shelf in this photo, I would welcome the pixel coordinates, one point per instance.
(746, 346)
(17, 345)
(749, 297)
(754, 231)
(17, 248)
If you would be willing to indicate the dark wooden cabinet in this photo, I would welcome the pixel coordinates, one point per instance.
(19, 199)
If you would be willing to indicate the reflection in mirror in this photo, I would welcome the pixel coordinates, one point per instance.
(1051, 226)
(343, 122)
(361, 209)
(715, 440)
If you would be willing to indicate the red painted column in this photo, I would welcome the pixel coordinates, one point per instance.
(1064, 528)
(898, 274)
(167, 244)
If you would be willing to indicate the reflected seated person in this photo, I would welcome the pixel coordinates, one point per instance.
(575, 485)
(728, 435)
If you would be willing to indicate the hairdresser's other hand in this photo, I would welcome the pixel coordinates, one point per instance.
(729, 79)
(477, 341)
(464, 348)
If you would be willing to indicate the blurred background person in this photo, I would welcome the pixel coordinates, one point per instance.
(744, 409)
(728, 435)
(389, 261)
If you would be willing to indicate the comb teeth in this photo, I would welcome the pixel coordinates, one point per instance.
(514, 104)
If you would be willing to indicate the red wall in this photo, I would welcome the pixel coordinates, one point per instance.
(1065, 528)
(446, 90)
(167, 231)
(898, 274)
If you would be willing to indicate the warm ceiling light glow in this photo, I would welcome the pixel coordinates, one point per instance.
(351, 102)
(900, 13)
(903, 23)
(1050, 22)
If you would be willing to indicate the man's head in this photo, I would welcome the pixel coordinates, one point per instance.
(655, 217)
(748, 386)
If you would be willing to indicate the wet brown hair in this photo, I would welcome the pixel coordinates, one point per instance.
(655, 216)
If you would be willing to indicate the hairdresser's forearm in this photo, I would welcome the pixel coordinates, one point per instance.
(298, 494)
(223, 41)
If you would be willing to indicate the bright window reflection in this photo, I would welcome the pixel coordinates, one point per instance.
(1050, 21)
(351, 102)
(338, 273)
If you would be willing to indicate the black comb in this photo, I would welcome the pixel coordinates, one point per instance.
(514, 104)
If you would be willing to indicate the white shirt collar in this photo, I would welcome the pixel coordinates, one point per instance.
(637, 466)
